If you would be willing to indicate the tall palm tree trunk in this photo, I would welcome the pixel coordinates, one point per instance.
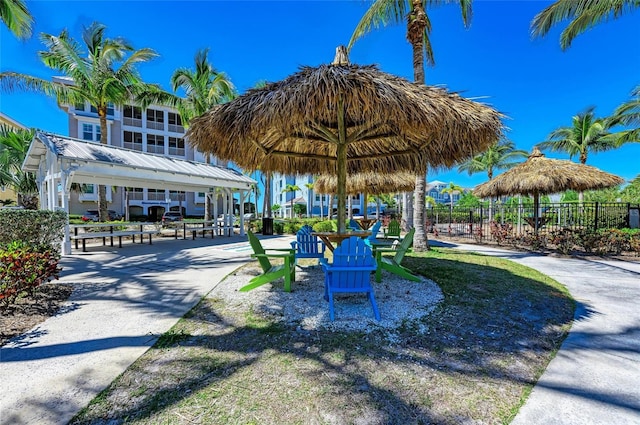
(104, 140)
(415, 33)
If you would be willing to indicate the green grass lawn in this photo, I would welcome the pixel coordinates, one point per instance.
(473, 360)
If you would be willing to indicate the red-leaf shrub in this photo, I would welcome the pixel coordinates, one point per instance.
(23, 269)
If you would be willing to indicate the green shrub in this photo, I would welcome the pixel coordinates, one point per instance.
(323, 226)
(24, 268)
(278, 227)
(32, 227)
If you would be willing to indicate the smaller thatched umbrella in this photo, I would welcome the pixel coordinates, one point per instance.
(367, 183)
(540, 175)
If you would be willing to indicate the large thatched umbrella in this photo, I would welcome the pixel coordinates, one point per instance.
(367, 183)
(342, 118)
(539, 175)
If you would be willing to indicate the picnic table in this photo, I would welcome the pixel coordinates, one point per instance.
(331, 238)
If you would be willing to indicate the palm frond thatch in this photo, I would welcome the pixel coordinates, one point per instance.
(541, 175)
(342, 119)
(391, 124)
(370, 183)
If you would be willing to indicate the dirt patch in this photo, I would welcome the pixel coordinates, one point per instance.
(29, 311)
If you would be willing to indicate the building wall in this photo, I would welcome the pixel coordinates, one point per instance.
(158, 130)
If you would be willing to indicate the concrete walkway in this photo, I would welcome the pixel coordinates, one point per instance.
(124, 299)
(595, 377)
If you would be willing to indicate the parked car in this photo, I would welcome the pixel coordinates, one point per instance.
(94, 215)
(171, 216)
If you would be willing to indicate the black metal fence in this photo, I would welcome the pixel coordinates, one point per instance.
(475, 222)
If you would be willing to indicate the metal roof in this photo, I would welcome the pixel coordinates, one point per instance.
(95, 163)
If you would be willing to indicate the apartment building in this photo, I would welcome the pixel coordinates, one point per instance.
(155, 130)
(314, 202)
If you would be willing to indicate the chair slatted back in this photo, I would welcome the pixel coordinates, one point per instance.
(393, 229)
(307, 244)
(404, 246)
(354, 254)
(258, 249)
(375, 229)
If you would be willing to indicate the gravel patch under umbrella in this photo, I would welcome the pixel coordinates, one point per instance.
(304, 307)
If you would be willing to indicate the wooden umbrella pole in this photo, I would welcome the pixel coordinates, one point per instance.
(341, 165)
(536, 206)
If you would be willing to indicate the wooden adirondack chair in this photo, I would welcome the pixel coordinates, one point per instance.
(375, 229)
(271, 273)
(308, 246)
(393, 264)
(354, 225)
(350, 272)
(392, 230)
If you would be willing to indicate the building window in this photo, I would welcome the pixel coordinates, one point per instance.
(155, 119)
(175, 122)
(177, 195)
(132, 116)
(156, 195)
(79, 106)
(109, 109)
(132, 140)
(176, 146)
(136, 194)
(155, 143)
(91, 132)
(88, 189)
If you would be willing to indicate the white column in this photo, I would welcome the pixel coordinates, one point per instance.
(242, 197)
(66, 242)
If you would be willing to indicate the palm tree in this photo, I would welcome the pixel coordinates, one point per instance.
(14, 144)
(383, 12)
(499, 156)
(16, 17)
(628, 114)
(291, 188)
(584, 14)
(309, 186)
(587, 134)
(204, 88)
(451, 190)
(105, 75)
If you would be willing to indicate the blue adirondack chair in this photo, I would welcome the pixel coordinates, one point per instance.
(354, 225)
(350, 272)
(308, 246)
(375, 229)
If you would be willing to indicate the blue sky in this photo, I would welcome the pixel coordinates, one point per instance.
(537, 85)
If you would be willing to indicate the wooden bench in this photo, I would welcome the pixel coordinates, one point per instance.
(111, 234)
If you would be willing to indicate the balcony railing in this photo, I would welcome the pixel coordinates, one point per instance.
(155, 149)
(133, 146)
(155, 125)
(177, 152)
(133, 122)
(176, 128)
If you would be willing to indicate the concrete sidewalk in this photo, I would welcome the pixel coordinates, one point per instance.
(123, 300)
(595, 377)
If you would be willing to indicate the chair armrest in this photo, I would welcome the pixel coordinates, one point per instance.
(291, 250)
(270, 255)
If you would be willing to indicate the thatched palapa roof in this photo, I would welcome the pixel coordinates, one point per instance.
(541, 175)
(373, 183)
(342, 119)
(291, 126)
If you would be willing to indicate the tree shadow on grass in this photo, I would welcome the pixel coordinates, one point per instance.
(471, 359)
